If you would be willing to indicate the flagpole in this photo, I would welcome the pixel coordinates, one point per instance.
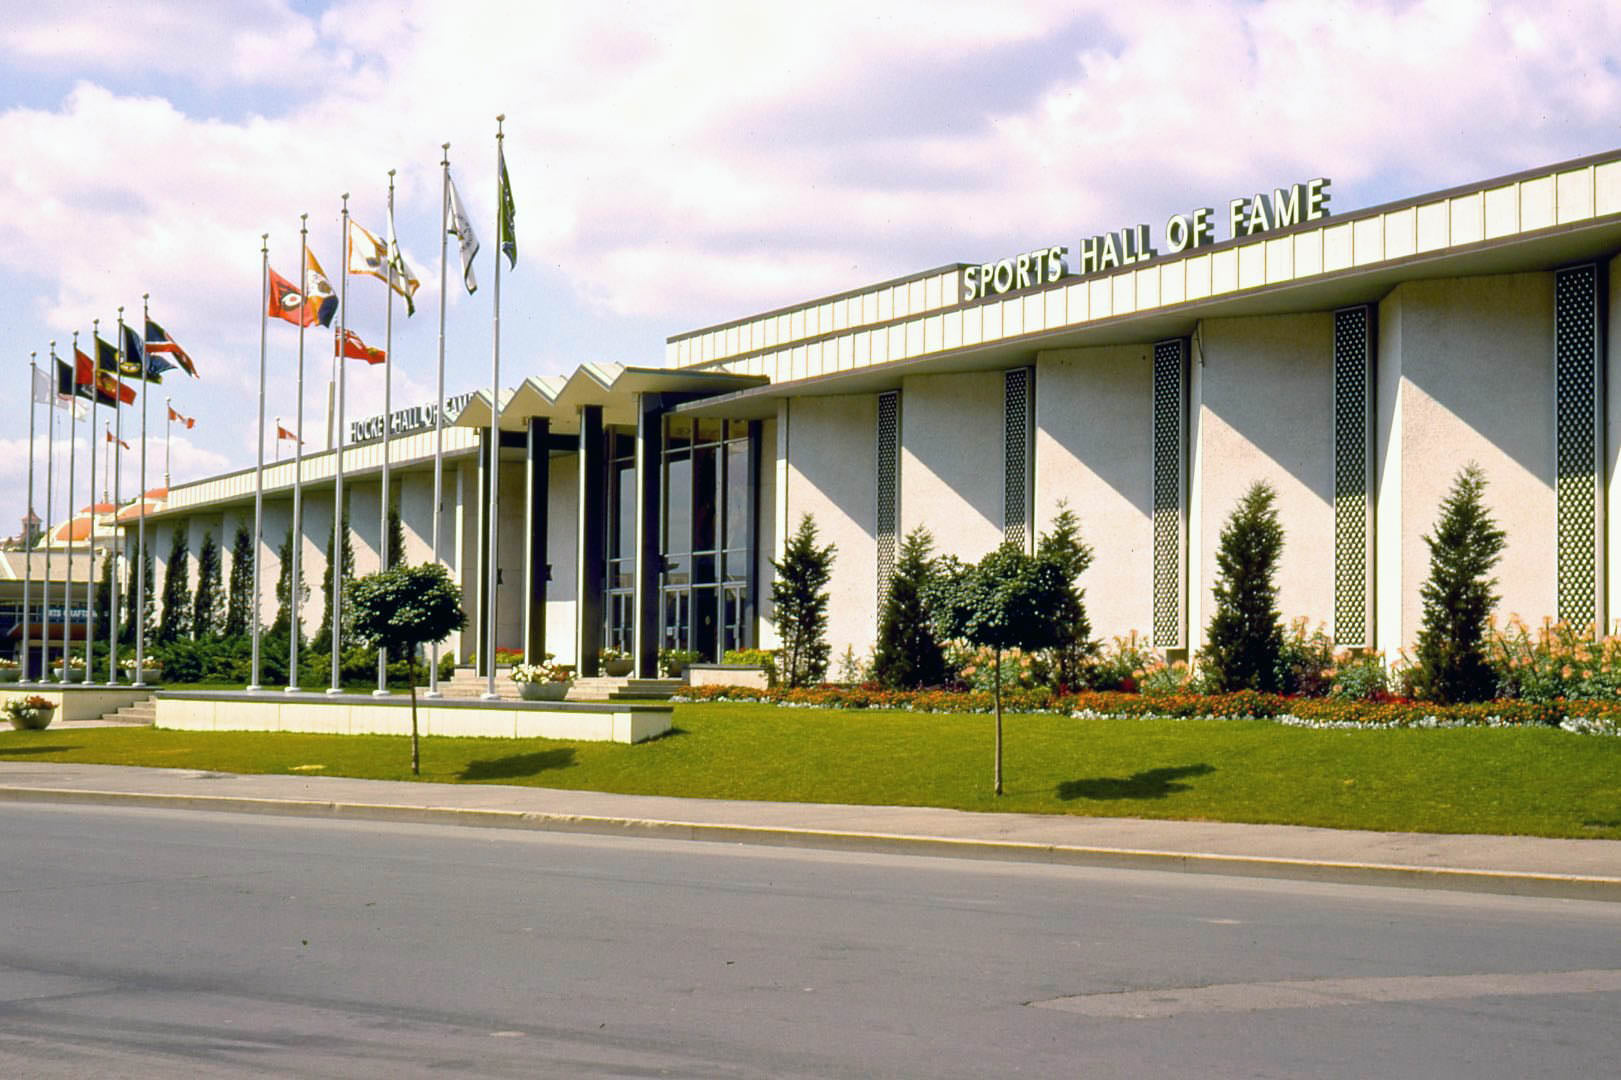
(335, 564)
(168, 434)
(259, 473)
(495, 433)
(90, 577)
(118, 498)
(439, 401)
(388, 424)
(140, 526)
(294, 627)
(67, 588)
(50, 512)
(28, 522)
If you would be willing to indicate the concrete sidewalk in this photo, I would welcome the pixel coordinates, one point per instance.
(1575, 869)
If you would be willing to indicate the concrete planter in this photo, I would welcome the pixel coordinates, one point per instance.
(745, 675)
(33, 719)
(10, 675)
(543, 691)
(618, 669)
(75, 675)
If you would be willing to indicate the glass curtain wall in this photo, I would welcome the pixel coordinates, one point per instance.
(619, 596)
(706, 541)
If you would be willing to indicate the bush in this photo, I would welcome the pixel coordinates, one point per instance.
(1305, 661)
(799, 597)
(764, 658)
(1362, 677)
(908, 653)
(1121, 666)
(673, 663)
(1458, 596)
(1557, 662)
(1244, 642)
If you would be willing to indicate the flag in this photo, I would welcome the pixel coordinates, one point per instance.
(287, 303)
(44, 390)
(136, 364)
(462, 229)
(283, 433)
(66, 396)
(369, 255)
(106, 357)
(398, 273)
(509, 212)
(356, 349)
(318, 290)
(176, 418)
(120, 442)
(107, 388)
(159, 341)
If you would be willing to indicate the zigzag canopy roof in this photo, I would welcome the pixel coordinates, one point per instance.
(614, 387)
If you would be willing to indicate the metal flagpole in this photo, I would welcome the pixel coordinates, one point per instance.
(439, 401)
(168, 434)
(118, 499)
(140, 526)
(67, 588)
(28, 523)
(294, 627)
(388, 424)
(259, 473)
(50, 512)
(338, 530)
(495, 434)
(90, 577)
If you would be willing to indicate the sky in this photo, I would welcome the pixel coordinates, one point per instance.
(676, 165)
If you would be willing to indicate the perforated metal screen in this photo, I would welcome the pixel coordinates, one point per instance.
(1353, 354)
(1169, 427)
(1017, 424)
(1577, 454)
(889, 437)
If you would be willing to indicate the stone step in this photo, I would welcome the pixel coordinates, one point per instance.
(140, 714)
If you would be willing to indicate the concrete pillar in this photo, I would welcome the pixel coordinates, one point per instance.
(593, 537)
(649, 559)
(537, 568)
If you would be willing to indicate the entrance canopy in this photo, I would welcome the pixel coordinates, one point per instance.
(613, 387)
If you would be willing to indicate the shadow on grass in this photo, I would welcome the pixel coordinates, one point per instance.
(17, 751)
(516, 766)
(1151, 784)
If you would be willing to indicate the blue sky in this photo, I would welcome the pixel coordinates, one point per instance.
(677, 165)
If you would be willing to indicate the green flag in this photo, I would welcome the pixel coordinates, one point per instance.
(509, 238)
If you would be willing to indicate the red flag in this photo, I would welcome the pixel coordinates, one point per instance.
(283, 433)
(356, 349)
(189, 421)
(120, 442)
(108, 388)
(286, 302)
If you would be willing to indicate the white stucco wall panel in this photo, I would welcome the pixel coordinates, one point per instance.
(1266, 391)
(1094, 422)
(831, 475)
(951, 460)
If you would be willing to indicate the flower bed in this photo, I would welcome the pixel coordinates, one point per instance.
(1589, 717)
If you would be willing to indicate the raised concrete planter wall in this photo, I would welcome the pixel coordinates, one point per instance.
(727, 675)
(76, 702)
(356, 714)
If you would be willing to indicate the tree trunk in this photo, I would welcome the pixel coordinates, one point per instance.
(997, 682)
(416, 757)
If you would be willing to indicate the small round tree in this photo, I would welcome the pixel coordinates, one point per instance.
(403, 608)
(1245, 637)
(1009, 600)
(1458, 596)
(908, 653)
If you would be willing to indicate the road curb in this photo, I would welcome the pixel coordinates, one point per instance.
(1501, 882)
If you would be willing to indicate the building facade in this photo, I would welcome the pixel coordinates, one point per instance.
(1355, 361)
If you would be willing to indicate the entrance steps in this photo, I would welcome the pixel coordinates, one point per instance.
(624, 688)
(140, 714)
(467, 685)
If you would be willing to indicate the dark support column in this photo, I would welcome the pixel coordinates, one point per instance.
(751, 595)
(649, 556)
(537, 571)
(482, 647)
(593, 538)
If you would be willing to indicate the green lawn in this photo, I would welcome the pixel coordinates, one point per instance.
(1530, 781)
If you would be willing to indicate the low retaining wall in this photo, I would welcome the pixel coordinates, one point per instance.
(76, 702)
(361, 714)
(750, 676)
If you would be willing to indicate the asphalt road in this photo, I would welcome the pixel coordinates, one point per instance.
(173, 944)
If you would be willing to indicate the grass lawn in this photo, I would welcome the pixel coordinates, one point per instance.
(1540, 782)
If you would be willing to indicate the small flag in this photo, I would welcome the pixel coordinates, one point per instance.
(369, 255)
(287, 303)
(283, 433)
(356, 349)
(509, 212)
(176, 418)
(111, 438)
(66, 394)
(318, 290)
(135, 364)
(461, 227)
(398, 273)
(106, 357)
(159, 341)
